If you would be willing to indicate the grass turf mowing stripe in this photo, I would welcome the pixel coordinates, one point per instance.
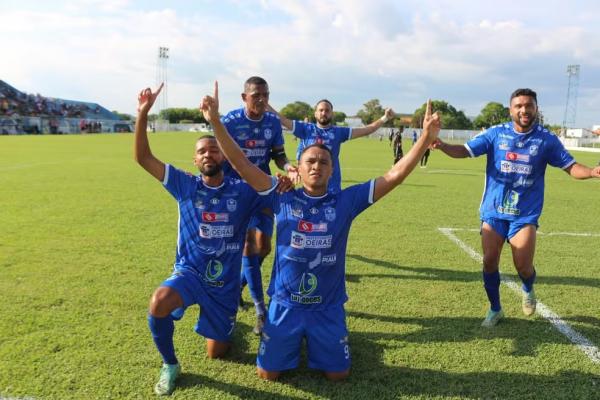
(580, 341)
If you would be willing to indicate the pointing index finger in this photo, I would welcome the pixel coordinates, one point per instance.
(428, 109)
(216, 95)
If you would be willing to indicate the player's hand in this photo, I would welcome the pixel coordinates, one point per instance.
(293, 174)
(431, 123)
(437, 144)
(389, 114)
(146, 99)
(284, 183)
(596, 172)
(210, 106)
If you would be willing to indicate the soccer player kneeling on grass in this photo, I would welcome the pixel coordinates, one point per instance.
(214, 212)
(517, 155)
(307, 286)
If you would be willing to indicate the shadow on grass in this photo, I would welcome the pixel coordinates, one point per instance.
(450, 275)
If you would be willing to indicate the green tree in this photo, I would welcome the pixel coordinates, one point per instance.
(175, 115)
(339, 117)
(370, 112)
(297, 111)
(492, 114)
(451, 118)
(123, 116)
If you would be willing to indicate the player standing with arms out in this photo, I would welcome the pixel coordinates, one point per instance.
(258, 132)
(307, 286)
(214, 212)
(332, 136)
(517, 155)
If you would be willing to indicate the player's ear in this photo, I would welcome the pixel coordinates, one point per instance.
(244, 97)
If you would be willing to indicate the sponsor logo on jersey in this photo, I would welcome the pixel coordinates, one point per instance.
(533, 149)
(517, 157)
(306, 226)
(302, 241)
(328, 259)
(330, 214)
(314, 210)
(297, 212)
(233, 247)
(215, 217)
(509, 205)
(199, 204)
(214, 270)
(512, 168)
(214, 201)
(215, 232)
(295, 259)
(308, 284)
(504, 136)
(251, 143)
(255, 152)
(268, 134)
(231, 205)
(256, 131)
(520, 145)
(522, 181)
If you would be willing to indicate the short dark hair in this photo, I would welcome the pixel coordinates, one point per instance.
(319, 146)
(523, 92)
(207, 136)
(254, 80)
(323, 101)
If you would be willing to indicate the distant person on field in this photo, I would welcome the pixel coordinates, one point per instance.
(517, 155)
(396, 143)
(307, 286)
(425, 158)
(332, 136)
(414, 137)
(214, 211)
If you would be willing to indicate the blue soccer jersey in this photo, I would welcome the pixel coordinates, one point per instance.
(332, 137)
(516, 165)
(310, 256)
(255, 138)
(212, 229)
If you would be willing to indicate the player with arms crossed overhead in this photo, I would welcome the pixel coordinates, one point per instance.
(307, 286)
(332, 136)
(517, 155)
(214, 211)
(258, 133)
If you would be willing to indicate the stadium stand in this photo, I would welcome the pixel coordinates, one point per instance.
(28, 113)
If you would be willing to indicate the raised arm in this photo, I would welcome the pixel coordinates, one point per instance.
(580, 171)
(394, 177)
(373, 126)
(285, 122)
(452, 150)
(142, 153)
(236, 157)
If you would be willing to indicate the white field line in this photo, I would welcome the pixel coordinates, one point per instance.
(583, 234)
(580, 341)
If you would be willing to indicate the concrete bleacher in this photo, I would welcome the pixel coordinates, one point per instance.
(28, 113)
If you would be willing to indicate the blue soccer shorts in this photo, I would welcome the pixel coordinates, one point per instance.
(504, 228)
(215, 321)
(326, 337)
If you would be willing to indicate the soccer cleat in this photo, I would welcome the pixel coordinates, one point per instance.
(166, 380)
(529, 302)
(492, 318)
(260, 324)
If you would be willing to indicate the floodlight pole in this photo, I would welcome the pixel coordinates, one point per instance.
(161, 77)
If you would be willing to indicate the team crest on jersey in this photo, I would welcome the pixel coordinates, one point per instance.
(314, 210)
(533, 150)
(330, 214)
(231, 205)
(306, 226)
(268, 133)
(297, 212)
(215, 217)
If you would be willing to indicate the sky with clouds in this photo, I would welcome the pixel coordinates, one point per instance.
(349, 51)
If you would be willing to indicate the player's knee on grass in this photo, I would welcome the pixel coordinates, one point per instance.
(216, 349)
(337, 376)
(267, 375)
(163, 301)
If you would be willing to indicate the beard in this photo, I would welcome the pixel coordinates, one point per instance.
(212, 170)
(324, 121)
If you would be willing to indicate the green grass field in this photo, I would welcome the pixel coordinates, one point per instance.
(86, 235)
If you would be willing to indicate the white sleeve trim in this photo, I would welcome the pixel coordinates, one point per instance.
(371, 191)
(269, 190)
(567, 165)
(293, 126)
(469, 150)
(166, 178)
